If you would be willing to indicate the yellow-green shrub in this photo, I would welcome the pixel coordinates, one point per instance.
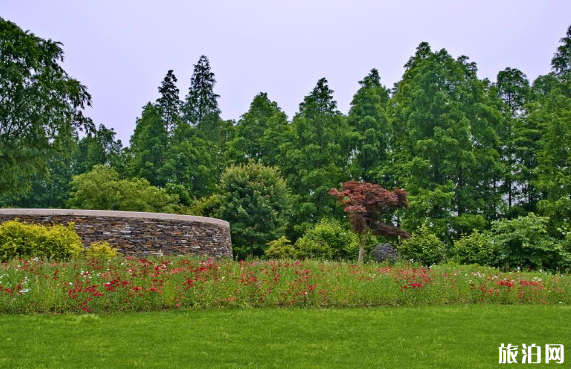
(281, 249)
(21, 240)
(100, 250)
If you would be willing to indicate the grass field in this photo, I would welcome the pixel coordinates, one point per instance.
(459, 336)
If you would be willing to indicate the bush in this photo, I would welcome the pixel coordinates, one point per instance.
(101, 250)
(524, 242)
(102, 189)
(423, 247)
(255, 200)
(281, 248)
(20, 240)
(385, 252)
(328, 239)
(476, 248)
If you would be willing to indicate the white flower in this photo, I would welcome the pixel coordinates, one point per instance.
(25, 290)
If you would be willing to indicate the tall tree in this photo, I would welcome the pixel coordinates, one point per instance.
(368, 118)
(552, 115)
(190, 162)
(561, 62)
(41, 106)
(148, 146)
(169, 103)
(513, 88)
(314, 157)
(259, 132)
(201, 100)
(98, 147)
(448, 147)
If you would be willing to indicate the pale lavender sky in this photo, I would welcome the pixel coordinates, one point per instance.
(122, 49)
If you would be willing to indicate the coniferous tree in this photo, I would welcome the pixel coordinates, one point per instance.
(169, 103)
(561, 62)
(368, 119)
(148, 147)
(513, 88)
(191, 163)
(448, 148)
(314, 157)
(259, 132)
(201, 100)
(551, 112)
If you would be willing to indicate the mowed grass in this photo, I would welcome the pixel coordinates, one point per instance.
(458, 336)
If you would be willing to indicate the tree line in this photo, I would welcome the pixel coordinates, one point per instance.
(468, 151)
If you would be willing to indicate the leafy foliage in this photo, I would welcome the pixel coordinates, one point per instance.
(476, 248)
(313, 157)
(41, 106)
(21, 240)
(423, 247)
(329, 240)
(366, 204)
(101, 189)
(100, 250)
(446, 125)
(255, 201)
(523, 242)
(282, 248)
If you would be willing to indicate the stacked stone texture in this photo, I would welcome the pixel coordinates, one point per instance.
(140, 234)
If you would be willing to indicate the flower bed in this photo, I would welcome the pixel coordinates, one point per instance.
(141, 284)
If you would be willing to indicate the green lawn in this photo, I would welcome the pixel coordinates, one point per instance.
(421, 337)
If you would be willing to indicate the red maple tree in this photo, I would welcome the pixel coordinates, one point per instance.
(365, 203)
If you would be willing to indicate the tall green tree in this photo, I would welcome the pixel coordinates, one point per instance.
(201, 100)
(259, 132)
(98, 147)
(169, 103)
(553, 116)
(448, 147)
(513, 88)
(147, 153)
(314, 156)
(561, 62)
(41, 106)
(369, 120)
(190, 162)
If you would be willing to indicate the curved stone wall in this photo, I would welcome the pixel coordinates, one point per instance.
(136, 233)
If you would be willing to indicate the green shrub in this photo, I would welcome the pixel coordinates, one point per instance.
(423, 247)
(281, 248)
(21, 240)
(476, 248)
(328, 239)
(101, 250)
(524, 242)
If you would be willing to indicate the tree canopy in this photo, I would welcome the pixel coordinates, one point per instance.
(41, 106)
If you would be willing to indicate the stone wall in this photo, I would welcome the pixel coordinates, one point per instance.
(135, 233)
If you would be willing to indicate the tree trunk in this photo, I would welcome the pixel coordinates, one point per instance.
(362, 242)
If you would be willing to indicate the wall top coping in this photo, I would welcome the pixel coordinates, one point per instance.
(116, 214)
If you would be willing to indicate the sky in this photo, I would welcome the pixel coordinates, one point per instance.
(122, 49)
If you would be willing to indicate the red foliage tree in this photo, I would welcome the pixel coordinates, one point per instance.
(365, 203)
